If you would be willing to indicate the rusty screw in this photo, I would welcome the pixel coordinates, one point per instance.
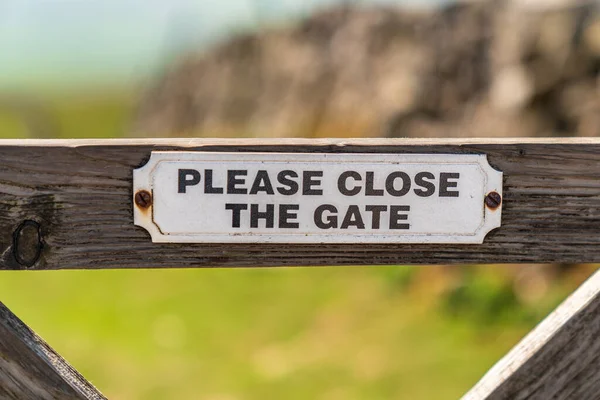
(493, 200)
(143, 199)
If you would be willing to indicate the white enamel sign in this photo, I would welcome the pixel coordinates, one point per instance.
(211, 197)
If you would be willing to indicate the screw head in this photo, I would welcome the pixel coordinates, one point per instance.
(493, 200)
(143, 199)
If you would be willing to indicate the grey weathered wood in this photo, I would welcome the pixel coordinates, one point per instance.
(559, 359)
(30, 369)
(80, 194)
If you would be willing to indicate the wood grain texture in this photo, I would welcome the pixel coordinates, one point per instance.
(80, 194)
(559, 359)
(30, 369)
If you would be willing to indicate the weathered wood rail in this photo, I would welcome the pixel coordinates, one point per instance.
(68, 204)
(80, 194)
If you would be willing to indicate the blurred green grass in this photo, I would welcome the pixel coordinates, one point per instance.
(293, 333)
(290, 333)
(71, 115)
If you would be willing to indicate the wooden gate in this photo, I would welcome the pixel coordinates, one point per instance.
(67, 204)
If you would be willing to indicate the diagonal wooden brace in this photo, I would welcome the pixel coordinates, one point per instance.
(559, 359)
(30, 369)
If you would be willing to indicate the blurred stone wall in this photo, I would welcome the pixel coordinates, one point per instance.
(478, 69)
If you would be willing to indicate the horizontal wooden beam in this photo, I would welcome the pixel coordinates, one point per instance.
(68, 204)
(30, 369)
(559, 359)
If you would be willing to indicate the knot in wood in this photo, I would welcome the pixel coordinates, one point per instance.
(27, 243)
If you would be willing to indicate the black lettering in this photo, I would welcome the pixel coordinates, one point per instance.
(396, 217)
(308, 182)
(352, 218)
(428, 188)
(236, 210)
(208, 183)
(268, 216)
(184, 182)
(369, 190)
(290, 187)
(376, 215)
(445, 184)
(342, 183)
(332, 219)
(285, 215)
(233, 181)
(262, 183)
(389, 183)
